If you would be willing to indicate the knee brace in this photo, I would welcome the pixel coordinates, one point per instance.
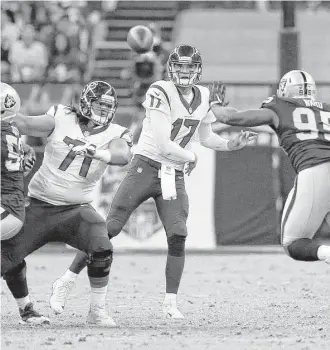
(99, 263)
(176, 245)
(303, 249)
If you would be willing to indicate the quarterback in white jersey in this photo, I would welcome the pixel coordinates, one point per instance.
(177, 114)
(185, 119)
(80, 143)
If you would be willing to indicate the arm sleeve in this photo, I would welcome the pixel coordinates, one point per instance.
(211, 140)
(209, 118)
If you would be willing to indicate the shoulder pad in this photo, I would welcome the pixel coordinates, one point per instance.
(269, 102)
(158, 97)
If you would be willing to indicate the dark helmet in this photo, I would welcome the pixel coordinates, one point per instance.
(184, 65)
(98, 102)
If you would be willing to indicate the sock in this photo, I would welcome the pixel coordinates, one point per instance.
(173, 273)
(79, 263)
(22, 302)
(170, 298)
(69, 275)
(98, 295)
(323, 253)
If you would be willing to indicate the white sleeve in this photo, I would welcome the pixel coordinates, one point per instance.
(209, 118)
(157, 99)
(210, 139)
(161, 130)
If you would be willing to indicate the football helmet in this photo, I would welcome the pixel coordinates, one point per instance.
(98, 102)
(297, 84)
(184, 66)
(10, 101)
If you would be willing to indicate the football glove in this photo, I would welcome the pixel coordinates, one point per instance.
(29, 159)
(87, 150)
(218, 94)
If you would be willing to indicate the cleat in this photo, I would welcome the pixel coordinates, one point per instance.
(61, 290)
(170, 310)
(31, 316)
(98, 316)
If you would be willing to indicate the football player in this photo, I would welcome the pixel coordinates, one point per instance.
(302, 125)
(80, 144)
(177, 113)
(17, 160)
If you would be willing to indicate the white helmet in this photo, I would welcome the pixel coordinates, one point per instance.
(10, 101)
(297, 84)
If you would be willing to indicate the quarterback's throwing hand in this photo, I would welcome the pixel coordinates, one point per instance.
(218, 94)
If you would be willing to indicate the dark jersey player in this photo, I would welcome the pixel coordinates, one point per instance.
(302, 125)
(17, 160)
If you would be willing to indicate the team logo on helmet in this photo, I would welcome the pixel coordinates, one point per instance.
(9, 101)
(282, 85)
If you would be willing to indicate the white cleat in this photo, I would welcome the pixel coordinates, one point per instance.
(170, 310)
(98, 316)
(61, 290)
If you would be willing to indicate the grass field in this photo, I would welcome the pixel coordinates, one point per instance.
(245, 301)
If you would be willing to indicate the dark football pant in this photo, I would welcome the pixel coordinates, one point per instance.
(77, 225)
(140, 183)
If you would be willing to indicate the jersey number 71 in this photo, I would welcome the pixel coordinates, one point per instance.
(72, 155)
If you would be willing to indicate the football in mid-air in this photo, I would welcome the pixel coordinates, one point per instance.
(140, 39)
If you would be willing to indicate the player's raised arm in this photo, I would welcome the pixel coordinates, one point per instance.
(118, 152)
(39, 125)
(250, 117)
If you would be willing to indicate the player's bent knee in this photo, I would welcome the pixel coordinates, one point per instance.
(10, 227)
(303, 249)
(18, 271)
(114, 227)
(176, 245)
(99, 264)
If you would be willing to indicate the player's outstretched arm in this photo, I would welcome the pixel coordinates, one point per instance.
(161, 130)
(39, 125)
(211, 140)
(250, 117)
(118, 152)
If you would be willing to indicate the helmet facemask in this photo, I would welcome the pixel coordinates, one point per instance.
(184, 66)
(184, 74)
